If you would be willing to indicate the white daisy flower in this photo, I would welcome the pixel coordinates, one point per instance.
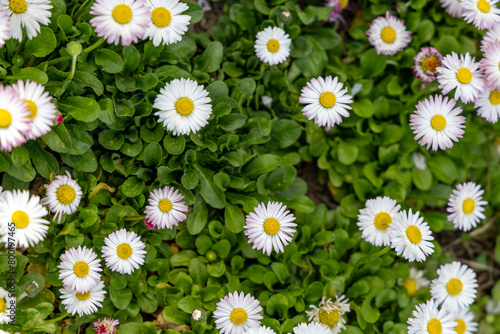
(463, 75)
(79, 269)
(455, 286)
(125, 20)
(488, 104)
(184, 106)
(167, 25)
(428, 319)
(124, 251)
(14, 120)
(27, 215)
(466, 206)
(270, 227)
(483, 13)
(260, 330)
(411, 236)
(375, 218)
(414, 282)
(166, 208)
(42, 110)
(237, 313)
(330, 314)
(489, 65)
(83, 303)
(28, 14)
(426, 62)
(4, 26)
(272, 45)
(465, 321)
(6, 302)
(491, 36)
(325, 101)
(436, 122)
(452, 7)
(312, 328)
(388, 35)
(63, 196)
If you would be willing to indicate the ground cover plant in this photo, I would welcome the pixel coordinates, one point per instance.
(261, 167)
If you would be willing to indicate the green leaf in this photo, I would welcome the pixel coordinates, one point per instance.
(422, 178)
(132, 187)
(89, 80)
(234, 218)
(363, 108)
(130, 328)
(372, 64)
(347, 152)
(172, 314)
(277, 304)
(120, 298)
(284, 133)
(45, 163)
(242, 16)
(110, 61)
(211, 58)
(232, 122)
(174, 144)
(153, 154)
(111, 140)
(218, 92)
(33, 74)
(42, 45)
(261, 165)
(20, 155)
(443, 169)
(209, 191)
(147, 302)
(195, 11)
(81, 140)
(58, 139)
(81, 108)
(197, 220)
(86, 162)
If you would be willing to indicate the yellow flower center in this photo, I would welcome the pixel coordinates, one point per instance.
(454, 286)
(273, 45)
(468, 206)
(81, 269)
(184, 106)
(20, 219)
(329, 318)
(495, 97)
(464, 75)
(2, 306)
(438, 122)
(461, 327)
(484, 6)
(122, 14)
(388, 35)
(430, 64)
(271, 226)
(343, 3)
(327, 99)
(161, 17)
(382, 221)
(413, 233)
(18, 6)
(124, 251)
(83, 296)
(238, 316)
(434, 326)
(65, 194)
(5, 118)
(32, 107)
(410, 285)
(165, 205)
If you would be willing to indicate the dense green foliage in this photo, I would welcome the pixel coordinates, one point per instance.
(248, 153)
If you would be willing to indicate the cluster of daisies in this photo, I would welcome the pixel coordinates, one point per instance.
(26, 112)
(27, 211)
(437, 121)
(447, 312)
(83, 290)
(240, 314)
(383, 224)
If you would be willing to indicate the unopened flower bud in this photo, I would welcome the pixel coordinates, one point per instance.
(199, 315)
(285, 16)
(31, 288)
(74, 48)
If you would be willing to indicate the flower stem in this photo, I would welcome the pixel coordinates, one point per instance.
(382, 252)
(59, 318)
(93, 46)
